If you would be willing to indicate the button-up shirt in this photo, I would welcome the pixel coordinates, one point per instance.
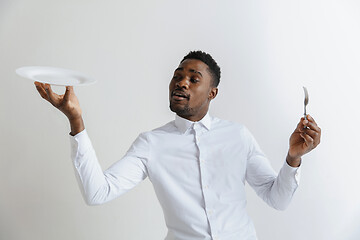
(198, 170)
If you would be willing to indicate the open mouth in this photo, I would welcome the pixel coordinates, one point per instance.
(178, 95)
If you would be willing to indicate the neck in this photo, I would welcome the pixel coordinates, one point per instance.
(193, 118)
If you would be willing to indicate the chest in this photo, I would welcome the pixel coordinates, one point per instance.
(198, 157)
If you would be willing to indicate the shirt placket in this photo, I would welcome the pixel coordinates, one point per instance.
(204, 178)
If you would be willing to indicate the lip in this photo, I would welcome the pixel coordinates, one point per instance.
(177, 98)
(179, 95)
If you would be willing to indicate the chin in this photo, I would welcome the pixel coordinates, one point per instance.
(181, 111)
(173, 108)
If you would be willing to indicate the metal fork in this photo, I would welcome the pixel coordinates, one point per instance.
(306, 101)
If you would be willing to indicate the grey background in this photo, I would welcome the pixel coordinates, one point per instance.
(267, 51)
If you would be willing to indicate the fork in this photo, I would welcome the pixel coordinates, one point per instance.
(306, 101)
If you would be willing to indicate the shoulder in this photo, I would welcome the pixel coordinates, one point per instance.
(164, 129)
(217, 123)
(232, 129)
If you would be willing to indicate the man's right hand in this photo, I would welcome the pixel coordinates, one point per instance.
(67, 103)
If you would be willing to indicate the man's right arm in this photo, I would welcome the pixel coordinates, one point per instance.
(96, 186)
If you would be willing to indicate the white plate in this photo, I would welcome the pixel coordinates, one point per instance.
(54, 76)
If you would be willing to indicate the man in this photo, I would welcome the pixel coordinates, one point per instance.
(198, 164)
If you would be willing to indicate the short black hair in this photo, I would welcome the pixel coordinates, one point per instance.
(208, 60)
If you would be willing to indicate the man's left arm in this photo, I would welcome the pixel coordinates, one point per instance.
(277, 189)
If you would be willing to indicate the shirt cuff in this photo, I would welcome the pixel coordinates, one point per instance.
(80, 145)
(292, 172)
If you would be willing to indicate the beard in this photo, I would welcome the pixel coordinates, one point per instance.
(184, 110)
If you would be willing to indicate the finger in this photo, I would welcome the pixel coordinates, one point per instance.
(309, 141)
(69, 90)
(39, 84)
(313, 134)
(52, 96)
(313, 126)
(298, 126)
(41, 90)
(302, 124)
(310, 118)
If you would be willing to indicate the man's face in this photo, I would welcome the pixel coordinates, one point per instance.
(191, 90)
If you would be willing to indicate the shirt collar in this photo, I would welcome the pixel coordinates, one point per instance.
(183, 124)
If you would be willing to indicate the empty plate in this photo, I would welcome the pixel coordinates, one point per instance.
(55, 76)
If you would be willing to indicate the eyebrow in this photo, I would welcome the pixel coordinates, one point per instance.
(190, 70)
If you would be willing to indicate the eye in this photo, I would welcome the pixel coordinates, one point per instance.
(193, 80)
(175, 77)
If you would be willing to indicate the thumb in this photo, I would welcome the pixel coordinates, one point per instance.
(69, 90)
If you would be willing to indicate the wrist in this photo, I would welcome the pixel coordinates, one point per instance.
(76, 125)
(293, 161)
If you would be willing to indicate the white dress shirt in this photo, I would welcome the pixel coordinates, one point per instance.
(198, 170)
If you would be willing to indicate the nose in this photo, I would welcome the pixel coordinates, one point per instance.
(183, 83)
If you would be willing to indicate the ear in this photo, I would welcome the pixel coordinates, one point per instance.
(213, 92)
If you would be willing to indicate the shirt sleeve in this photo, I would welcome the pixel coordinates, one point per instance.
(99, 187)
(276, 190)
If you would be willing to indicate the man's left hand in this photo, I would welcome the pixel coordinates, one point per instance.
(304, 139)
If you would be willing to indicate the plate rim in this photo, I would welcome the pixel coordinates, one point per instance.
(21, 71)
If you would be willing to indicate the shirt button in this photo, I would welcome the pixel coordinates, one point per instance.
(206, 186)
